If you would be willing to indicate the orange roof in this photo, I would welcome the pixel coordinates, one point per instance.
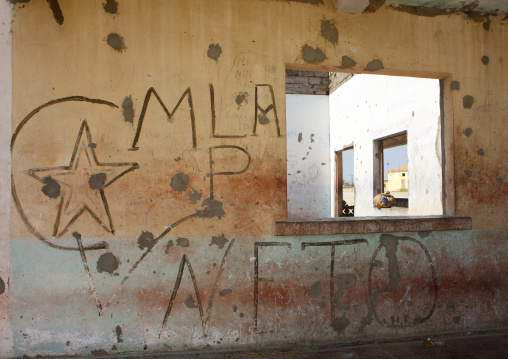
(400, 169)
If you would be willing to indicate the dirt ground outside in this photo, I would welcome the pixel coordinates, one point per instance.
(349, 195)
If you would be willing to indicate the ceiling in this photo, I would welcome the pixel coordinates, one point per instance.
(423, 7)
(488, 6)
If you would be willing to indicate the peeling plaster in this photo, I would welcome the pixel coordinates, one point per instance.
(347, 62)
(329, 31)
(374, 65)
(116, 42)
(214, 51)
(468, 101)
(468, 131)
(110, 6)
(128, 109)
(312, 55)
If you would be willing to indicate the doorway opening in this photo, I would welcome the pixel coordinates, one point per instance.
(344, 183)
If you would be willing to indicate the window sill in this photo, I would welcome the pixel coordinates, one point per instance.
(361, 225)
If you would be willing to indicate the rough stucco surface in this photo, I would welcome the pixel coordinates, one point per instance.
(190, 266)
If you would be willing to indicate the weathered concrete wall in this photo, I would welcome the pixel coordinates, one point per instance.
(6, 343)
(367, 108)
(384, 285)
(308, 156)
(143, 230)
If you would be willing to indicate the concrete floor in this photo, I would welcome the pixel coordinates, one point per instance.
(485, 346)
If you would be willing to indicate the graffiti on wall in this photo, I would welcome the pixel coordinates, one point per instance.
(63, 181)
(205, 318)
(333, 280)
(398, 295)
(390, 245)
(80, 187)
(257, 279)
(77, 190)
(260, 115)
(81, 184)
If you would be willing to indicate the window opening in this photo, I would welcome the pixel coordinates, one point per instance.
(391, 165)
(397, 126)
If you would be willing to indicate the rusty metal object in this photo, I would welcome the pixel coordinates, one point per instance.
(384, 200)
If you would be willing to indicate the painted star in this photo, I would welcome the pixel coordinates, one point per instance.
(83, 182)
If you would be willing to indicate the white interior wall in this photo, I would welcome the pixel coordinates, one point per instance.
(308, 156)
(369, 107)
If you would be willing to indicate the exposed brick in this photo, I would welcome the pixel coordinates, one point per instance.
(305, 91)
(305, 73)
(301, 80)
(299, 89)
(307, 82)
(320, 87)
(294, 86)
(314, 80)
(321, 74)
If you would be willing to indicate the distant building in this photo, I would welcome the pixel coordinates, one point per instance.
(397, 179)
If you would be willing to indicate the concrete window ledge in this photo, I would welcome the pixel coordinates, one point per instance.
(359, 225)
